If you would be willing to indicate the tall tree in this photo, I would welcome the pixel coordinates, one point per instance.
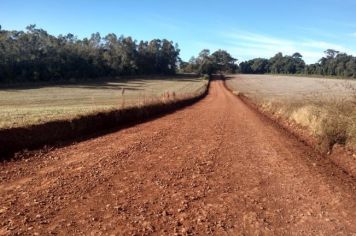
(35, 55)
(224, 61)
(206, 63)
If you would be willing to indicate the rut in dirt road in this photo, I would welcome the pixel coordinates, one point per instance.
(216, 167)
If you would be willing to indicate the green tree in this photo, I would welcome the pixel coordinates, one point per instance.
(223, 61)
(35, 55)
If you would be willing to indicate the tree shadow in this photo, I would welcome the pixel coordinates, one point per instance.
(130, 83)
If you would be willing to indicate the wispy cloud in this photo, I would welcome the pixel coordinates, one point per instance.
(246, 45)
(353, 34)
(317, 32)
(255, 38)
(165, 23)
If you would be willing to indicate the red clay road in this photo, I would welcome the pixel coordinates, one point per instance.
(216, 167)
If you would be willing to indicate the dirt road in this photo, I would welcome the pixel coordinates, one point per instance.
(216, 167)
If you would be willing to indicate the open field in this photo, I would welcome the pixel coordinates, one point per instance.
(326, 107)
(22, 106)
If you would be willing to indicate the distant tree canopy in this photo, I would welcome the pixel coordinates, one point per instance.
(206, 63)
(334, 64)
(278, 64)
(35, 55)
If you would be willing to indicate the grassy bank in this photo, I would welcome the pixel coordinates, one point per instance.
(325, 107)
(96, 123)
(37, 104)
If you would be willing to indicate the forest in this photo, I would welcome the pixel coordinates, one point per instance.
(334, 63)
(35, 55)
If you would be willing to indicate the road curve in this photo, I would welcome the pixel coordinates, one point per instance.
(216, 167)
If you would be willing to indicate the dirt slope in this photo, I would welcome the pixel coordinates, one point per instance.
(216, 167)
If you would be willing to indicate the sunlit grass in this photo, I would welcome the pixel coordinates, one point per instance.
(23, 106)
(326, 107)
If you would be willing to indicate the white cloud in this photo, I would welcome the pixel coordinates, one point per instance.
(323, 45)
(317, 31)
(246, 45)
(256, 38)
(353, 34)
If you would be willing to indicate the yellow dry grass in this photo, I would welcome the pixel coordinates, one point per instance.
(326, 107)
(23, 106)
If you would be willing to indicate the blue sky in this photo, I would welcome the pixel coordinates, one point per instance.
(247, 29)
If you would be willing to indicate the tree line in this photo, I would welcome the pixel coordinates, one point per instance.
(207, 63)
(333, 63)
(35, 55)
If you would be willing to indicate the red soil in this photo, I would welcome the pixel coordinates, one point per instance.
(216, 167)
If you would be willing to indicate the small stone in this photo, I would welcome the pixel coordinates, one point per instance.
(184, 231)
(118, 209)
(148, 226)
(44, 222)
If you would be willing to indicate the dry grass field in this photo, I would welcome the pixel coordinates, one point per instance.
(326, 107)
(22, 106)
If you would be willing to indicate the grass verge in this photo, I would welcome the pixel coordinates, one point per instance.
(29, 104)
(328, 117)
(35, 136)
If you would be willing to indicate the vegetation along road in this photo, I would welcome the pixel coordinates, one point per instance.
(216, 167)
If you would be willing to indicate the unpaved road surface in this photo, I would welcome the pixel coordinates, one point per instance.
(216, 167)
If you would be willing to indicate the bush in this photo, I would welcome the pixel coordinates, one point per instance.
(206, 77)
